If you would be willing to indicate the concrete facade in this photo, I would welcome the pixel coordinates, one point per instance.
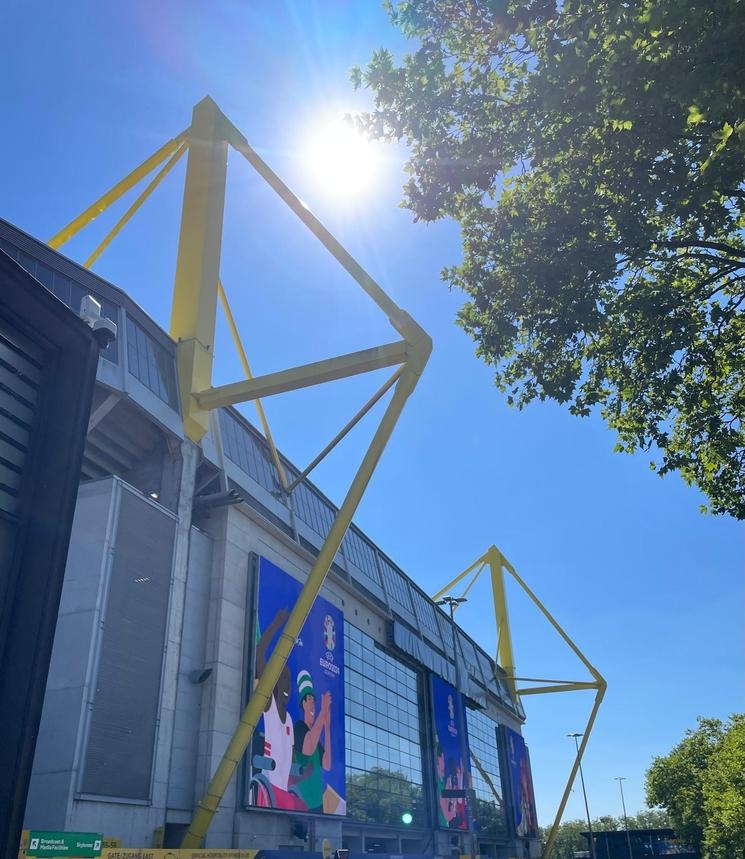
(137, 451)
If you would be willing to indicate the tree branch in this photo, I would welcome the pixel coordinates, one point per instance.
(714, 246)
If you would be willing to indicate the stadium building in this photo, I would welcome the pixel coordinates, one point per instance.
(183, 561)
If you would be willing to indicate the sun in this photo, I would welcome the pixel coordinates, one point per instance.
(340, 159)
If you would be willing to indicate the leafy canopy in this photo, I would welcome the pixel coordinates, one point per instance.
(593, 153)
(701, 784)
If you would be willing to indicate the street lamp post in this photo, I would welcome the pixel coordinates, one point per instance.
(452, 603)
(621, 779)
(584, 794)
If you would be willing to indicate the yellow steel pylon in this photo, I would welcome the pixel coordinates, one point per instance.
(497, 564)
(196, 291)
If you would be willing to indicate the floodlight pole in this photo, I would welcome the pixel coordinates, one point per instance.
(621, 779)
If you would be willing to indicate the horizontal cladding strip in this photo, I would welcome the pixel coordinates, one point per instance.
(305, 376)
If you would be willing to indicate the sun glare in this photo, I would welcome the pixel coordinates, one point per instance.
(340, 159)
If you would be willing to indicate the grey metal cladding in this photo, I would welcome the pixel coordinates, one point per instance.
(121, 738)
(20, 376)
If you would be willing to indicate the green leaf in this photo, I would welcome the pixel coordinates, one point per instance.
(695, 115)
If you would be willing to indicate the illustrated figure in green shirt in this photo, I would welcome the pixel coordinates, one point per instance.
(444, 805)
(310, 753)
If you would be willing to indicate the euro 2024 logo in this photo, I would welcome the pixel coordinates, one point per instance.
(329, 634)
(329, 642)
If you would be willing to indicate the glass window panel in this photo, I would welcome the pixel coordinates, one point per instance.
(483, 741)
(77, 294)
(385, 772)
(45, 275)
(150, 362)
(9, 249)
(62, 288)
(29, 263)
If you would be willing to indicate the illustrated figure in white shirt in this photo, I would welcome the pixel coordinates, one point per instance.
(279, 734)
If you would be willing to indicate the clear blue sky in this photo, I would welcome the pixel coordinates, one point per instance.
(651, 590)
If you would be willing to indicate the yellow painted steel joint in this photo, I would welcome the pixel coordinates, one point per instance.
(196, 290)
(497, 564)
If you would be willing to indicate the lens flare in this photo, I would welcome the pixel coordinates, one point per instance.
(340, 159)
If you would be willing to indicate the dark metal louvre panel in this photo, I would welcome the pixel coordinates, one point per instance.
(121, 738)
(396, 585)
(425, 613)
(20, 375)
(361, 553)
(469, 655)
(487, 667)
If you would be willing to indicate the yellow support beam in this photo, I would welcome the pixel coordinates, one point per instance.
(486, 777)
(304, 376)
(242, 737)
(351, 423)
(548, 849)
(111, 196)
(400, 320)
(505, 656)
(196, 291)
(459, 578)
(497, 565)
(132, 210)
(249, 375)
(194, 307)
(561, 687)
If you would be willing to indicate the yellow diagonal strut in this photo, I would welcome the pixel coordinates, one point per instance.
(196, 293)
(103, 202)
(497, 563)
(249, 375)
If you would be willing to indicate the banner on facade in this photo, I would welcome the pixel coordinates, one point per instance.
(524, 816)
(296, 761)
(451, 755)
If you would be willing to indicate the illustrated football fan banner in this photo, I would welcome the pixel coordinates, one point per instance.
(453, 773)
(524, 815)
(296, 761)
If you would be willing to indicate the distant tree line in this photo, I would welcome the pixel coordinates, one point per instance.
(570, 837)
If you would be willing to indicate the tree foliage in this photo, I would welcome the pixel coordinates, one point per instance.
(593, 153)
(701, 784)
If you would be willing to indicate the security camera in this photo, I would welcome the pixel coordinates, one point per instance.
(104, 330)
(199, 675)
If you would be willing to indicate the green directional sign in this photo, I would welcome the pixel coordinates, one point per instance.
(76, 845)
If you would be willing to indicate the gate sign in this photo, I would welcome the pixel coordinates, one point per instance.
(77, 845)
(296, 762)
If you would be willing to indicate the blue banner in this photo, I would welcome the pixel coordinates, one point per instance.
(524, 816)
(453, 773)
(296, 761)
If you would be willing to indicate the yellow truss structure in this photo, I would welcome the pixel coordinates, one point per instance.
(193, 318)
(496, 563)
